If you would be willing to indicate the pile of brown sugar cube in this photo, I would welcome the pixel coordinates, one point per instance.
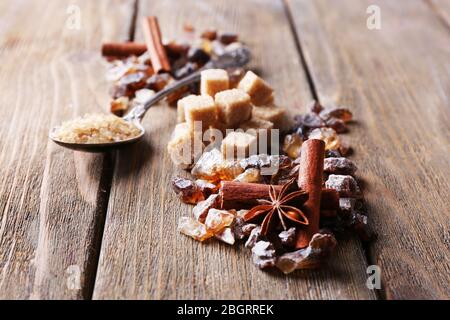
(248, 105)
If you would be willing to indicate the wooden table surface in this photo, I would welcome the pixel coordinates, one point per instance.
(111, 219)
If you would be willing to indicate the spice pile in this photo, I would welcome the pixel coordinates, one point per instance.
(138, 70)
(289, 218)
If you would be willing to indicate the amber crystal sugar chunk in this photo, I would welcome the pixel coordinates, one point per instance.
(251, 175)
(337, 112)
(217, 220)
(194, 229)
(328, 135)
(200, 211)
(213, 167)
(187, 190)
(227, 236)
(293, 145)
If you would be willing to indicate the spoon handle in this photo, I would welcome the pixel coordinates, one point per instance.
(139, 111)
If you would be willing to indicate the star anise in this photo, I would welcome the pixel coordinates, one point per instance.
(276, 209)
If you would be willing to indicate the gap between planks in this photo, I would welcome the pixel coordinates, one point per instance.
(365, 246)
(438, 12)
(107, 174)
(99, 224)
(298, 46)
(133, 20)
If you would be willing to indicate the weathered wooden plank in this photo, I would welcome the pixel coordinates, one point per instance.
(397, 81)
(50, 198)
(442, 10)
(143, 256)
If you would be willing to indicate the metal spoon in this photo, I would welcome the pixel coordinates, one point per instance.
(234, 58)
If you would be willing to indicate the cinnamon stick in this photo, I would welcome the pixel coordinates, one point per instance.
(123, 49)
(126, 49)
(329, 200)
(329, 203)
(152, 35)
(242, 195)
(310, 180)
(328, 213)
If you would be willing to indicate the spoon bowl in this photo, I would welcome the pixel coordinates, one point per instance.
(97, 147)
(237, 57)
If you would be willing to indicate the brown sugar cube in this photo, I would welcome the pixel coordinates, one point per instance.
(270, 100)
(233, 106)
(222, 127)
(260, 128)
(255, 123)
(213, 81)
(199, 108)
(270, 113)
(239, 145)
(259, 90)
(182, 147)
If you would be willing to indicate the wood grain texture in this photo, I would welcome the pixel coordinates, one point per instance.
(50, 198)
(397, 82)
(442, 10)
(143, 256)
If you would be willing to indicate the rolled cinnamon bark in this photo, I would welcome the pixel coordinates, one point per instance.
(310, 180)
(329, 200)
(243, 195)
(123, 49)
(153, 40)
